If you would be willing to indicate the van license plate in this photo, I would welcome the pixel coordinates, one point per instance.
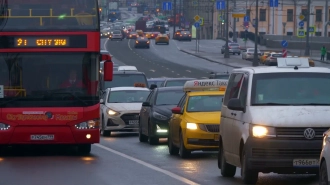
(305, 162)
(133, 122)
(42, 137)
(216, 137)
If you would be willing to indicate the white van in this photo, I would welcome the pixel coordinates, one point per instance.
(273, 119)
(127, 68)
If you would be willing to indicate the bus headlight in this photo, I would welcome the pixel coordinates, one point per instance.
(90, 124)
(191, 126)
(4, 126)
(262, 131)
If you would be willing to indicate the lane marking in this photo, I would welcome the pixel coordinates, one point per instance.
(148, 165)
(152, 70)
(129, 45)
(188, 71)
(105, 48)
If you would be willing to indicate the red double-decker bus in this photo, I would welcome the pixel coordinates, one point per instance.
(49, 63)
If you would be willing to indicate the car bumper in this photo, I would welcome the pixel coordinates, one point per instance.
(126, 121)
(162, 41)
(234, 51)
(200, 140)
(184, 38)
(115, 38)
(142, 45)
(62, 135)
(270, 155)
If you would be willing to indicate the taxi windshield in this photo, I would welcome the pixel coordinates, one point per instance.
(291, 89)
(169, 97)
(126, 80)
(204, 103)
(128, 96)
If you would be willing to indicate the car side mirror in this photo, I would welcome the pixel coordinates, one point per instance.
(153, 86)
(235, 104)
(146, 104)
(176, 110)
(101, 101)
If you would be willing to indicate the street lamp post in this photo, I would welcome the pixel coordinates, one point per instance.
(307, 31)
(226, 55)
(256, 59)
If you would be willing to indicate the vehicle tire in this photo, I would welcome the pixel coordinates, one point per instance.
(105, 133)
(183, 152)
(152, 139)
(156, 43)
(121, 39)
(190, 40)
(248, 176)
(148, 47)
(323, 177)
(239, 53)
(227, 170)
(142, 138)
(168, 43)
(173, 150)
(84, 149)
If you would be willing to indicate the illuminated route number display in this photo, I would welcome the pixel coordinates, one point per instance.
(21, 42)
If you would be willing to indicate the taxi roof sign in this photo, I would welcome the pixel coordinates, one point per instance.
(292, 62)
(139, 85)
(205, 85)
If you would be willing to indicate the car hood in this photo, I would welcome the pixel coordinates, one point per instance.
(165, 110)
(124, 106)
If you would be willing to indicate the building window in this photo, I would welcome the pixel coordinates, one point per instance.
(304, 13)
(318, 16)
(289, 15)
(318, 34)
(262, 15)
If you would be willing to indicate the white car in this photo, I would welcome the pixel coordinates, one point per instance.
(325, 159)
(120, 108)
(248, 54)
(127, 68)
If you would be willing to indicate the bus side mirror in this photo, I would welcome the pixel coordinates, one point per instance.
(104, 57)
(108, 70)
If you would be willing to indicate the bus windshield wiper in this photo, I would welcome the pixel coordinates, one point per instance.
(70, 93)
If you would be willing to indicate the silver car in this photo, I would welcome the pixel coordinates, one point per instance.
(248, 54)
(233, 48)
(116, 35)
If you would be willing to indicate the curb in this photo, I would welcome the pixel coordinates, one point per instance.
(208, 59)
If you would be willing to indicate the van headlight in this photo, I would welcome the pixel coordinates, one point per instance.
(159, 116)
(191, 126)
(111, 112)
(262, 131)
(4, 126)
(90, 124)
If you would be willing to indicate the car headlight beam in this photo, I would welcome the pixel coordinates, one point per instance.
(112, 112)
(191, 126)
(263, 131)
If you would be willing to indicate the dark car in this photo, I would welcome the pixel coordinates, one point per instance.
(156, 111)
(123, 79)
(184, 35)
(142, 42)
(131, 35)
(172, 82)
(233, 48)
(156, 81)
(177, 34)
(224, 76)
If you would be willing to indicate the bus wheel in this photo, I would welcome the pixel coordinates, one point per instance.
(84, 149)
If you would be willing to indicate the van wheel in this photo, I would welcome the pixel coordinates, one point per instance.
(183, 152)
(248, 176)
(323, 179)
(227, 170)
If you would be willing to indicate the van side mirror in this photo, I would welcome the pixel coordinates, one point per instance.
(105, 57)
(146, 104)
(235, 104)
(176, 110)
(153, 86)
(101, 101)
(108, 70)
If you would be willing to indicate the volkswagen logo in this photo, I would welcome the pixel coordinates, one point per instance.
(309, 133)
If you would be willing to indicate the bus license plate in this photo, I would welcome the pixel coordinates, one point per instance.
(42, 137)
(133, 122)
(216, 137)
(305, 162)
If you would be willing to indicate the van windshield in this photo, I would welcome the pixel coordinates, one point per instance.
(291, 89)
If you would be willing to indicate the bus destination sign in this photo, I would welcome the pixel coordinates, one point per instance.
(42, 42)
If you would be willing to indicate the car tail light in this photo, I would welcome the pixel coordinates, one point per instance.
(189, 35)
(180, 35)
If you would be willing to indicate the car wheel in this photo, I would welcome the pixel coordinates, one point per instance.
(121, 39)
(152, 139)
(84, 149)
(183, 152)
(227, 170)
(323, 179)
(156, 43)
(173, 150)
(248, 176)
(148, 47)
(105, 133)
(142, 137)
(239, 53)
(168, 43)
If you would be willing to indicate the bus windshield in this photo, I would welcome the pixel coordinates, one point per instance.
(44, 15)
(48, 79)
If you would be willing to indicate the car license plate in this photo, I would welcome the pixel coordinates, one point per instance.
(42, 137)
(305, 162)
(216, 137)
(133, 122)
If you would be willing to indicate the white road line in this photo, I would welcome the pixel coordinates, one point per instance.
(128, 43)
(152, 70)
(148, 165)
(176, 45)
(188, 71)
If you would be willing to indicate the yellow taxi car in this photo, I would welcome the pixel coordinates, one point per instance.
(147, 34)
(264, 57)
(194, 124)
(162, 38)
(140, 33)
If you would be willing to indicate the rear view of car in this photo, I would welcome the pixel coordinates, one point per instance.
(162, 38)
(142, 42)
(116, 35)
(234, 48)
(272, 59)
(184, 35)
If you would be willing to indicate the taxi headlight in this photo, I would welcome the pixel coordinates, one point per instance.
(4, 126)
(191, 126)
(112, 112)
(90, 124)
(159, 116)
(262, 131)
